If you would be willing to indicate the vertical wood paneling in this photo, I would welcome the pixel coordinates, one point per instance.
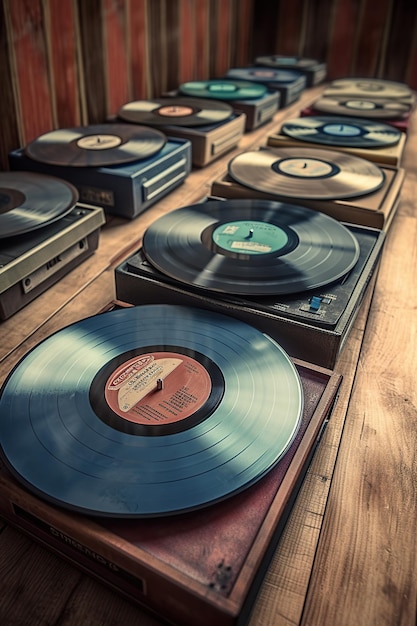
(342, 38)
(92, 55)
(202, 40)
(316, 28)
(116, 54)
(242, 51)
(8, 105)
(222, 39)
(187, 42)
(173, 44)
(265, 27)
(30, 68)
(289, 40)
(411, 71)
(157, 46)
(399, 45)
(138, 38)
(370, 37)
(61, 19)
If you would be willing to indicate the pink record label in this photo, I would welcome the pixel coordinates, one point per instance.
(158, 388)
(175, 110)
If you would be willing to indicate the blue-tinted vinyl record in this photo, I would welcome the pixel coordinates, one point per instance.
(223, 89)
(148, 411)
(342, 131)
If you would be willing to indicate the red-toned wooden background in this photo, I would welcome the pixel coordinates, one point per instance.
(72, 62)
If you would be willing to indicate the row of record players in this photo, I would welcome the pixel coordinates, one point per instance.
(338, 180)
(247, 293)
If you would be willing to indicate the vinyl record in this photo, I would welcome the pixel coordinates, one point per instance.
(342, 131)
(263, 75)
(368, 87)
(97, 145)
(286, 62)
(176, 111)
(29, 201)
(148, 411)
(250, 247)
(310, 173)
(376, 108)
(223, 89)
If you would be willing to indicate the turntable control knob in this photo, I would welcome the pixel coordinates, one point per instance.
(315, 303)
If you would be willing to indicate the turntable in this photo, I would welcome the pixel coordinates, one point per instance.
(289, 83)
(296, 274)
(370, 139)
(314, 71)
(45, 233)
(123, 168)
(202, 565)
(344, 186)
(253, 99)
(211, 126)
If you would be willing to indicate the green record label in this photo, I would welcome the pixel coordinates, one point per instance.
(250, 237)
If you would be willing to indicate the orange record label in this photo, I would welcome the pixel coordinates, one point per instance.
(158, 388)
(175, 110)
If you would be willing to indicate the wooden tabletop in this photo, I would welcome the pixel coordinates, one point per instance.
(348, 552)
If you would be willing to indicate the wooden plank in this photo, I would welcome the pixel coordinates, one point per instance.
(290, 29)
(30, 69)
(9, 122)
(241, 54)
(35, 584)
(341, 39)
(316, 29)
(116, 54)
(139, 55)
(61, 20)
(92, 55)
(399, 42)
(371, 34)
(367, 526)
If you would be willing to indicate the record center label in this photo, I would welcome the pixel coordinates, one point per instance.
(341, 130)
(305, 168)
(175, 111)
(99, 142)
(250, 237)
(360, 104)
(160, 387)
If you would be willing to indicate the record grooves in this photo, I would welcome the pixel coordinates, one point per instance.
(65, 453)
(29, 201)
(255, 247)
(176, 111)
(312, 173)
(96, 145)
(342, 131)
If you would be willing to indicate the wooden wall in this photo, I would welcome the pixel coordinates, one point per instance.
(74, 62)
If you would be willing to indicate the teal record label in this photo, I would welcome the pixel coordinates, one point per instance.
(250, 237)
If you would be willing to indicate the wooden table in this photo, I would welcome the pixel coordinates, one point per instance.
(348, 553)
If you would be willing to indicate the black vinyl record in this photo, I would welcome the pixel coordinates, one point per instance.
(148, 411)
(223, 89)
(251, 247)
(311, 173)
(371, 108)
(286, 62)
(97, 145)
(264, 75)
(368, 87)
(176, 112)
(29, 201)
(342, 131)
